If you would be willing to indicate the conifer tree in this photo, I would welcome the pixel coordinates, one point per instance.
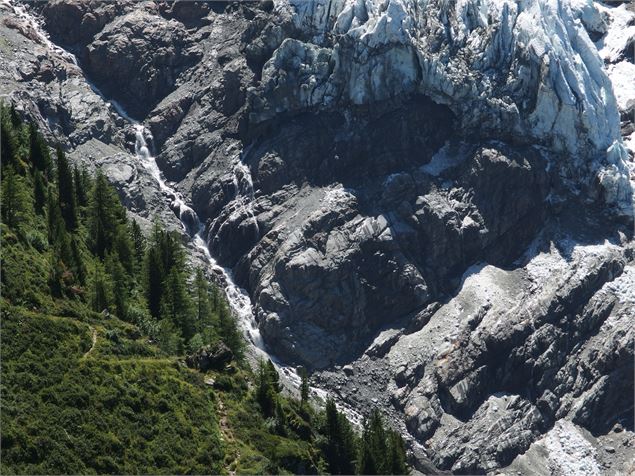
(39, 192)
(304, 386)
(54, 218)
(15, 198)
(66, 190)
(103, 217)
(79, 269)
(9, 141)
(265, 393)
(202, 302)
(99, 290)
(154, 274)
(138, 242)
(396, 463)
(124, 248)
(38, 150)
(120, 284)
(81, 190)
(229, 331)
(176, 305)
(339, 450)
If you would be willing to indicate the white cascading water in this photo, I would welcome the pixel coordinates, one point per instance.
(237, 297)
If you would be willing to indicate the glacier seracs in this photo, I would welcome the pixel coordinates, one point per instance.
(526, 71)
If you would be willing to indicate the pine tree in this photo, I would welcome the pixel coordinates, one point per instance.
(396, 454)
(124, 248)
(202, 302)
(79, 269)
(280, 419)
(66, 190)
(104, 216)
(9, 141)
(266, 396)
(339, 450)
(176, 305)
(120, 284)
(81, 190)
(138, 242)
(39, 192)
(54, 218)
(16, 201)
(304, 386)
(229, 331)
(38, 150)
(99, 290)
(154, 275)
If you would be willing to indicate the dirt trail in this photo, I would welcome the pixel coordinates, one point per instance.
(227, 433)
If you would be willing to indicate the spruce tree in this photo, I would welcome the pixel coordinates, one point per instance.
(9, 141)
(339, 450)
(103, 218)
(81, 190)
(266, 396)
(124, 248)
(304, 386)
(38, 150)
(120, 284)
(176, 305)
(138, 242)
(99, 297)
(153, 283)
(229, 332)
(202, 302)
(396, 454)
(39, 192)
(79, 269)
(15, 198)
(66, 190)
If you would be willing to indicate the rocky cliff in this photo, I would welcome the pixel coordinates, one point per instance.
(429, 202)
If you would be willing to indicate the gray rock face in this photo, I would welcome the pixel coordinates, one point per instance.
(396, 188)
(137, 59)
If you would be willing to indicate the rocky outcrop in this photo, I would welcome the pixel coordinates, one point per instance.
(210, 357)
(137, 59)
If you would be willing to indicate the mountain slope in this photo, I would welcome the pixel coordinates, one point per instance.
(427, 202)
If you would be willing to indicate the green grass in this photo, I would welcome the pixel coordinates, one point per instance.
(66, 414)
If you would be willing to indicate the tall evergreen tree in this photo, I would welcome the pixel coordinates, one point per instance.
(66, 190)
(339, 450)
(304, 386)
(229, 331)
(154, 274)
(266, 395)
(9, 141)
(39, 192)
(202, 302)
(104, 216)
(138, 242)
(100, 295)
(176, 305)
(81, 190)
(38, 150)
(79, 268)
(15, 198)
(120, 284)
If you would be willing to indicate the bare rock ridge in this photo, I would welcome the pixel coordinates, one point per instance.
(430, 203)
